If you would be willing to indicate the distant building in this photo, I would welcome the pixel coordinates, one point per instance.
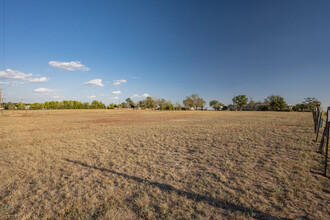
(289, 107)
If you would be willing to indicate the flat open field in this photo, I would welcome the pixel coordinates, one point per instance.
(108, 164)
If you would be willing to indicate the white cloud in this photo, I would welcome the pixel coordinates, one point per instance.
(135, 96)
(13, 74)
(118, 82)
(8, 74)
(145, 95)
(70, 66)
(92, 96)
(44, 90)
(40, 79)
(116, 92)
(94, 82)
(115, 98)
(11, 83)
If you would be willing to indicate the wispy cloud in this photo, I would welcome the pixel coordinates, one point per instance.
(11, 83)
(145, 95)
(70, 66)
(116, 92)
(92, 97)
(40, 79)
(94, 82)
(118, 82)
(116, 98)
(14, 74)
(135, 96)
(9, 74)
(44, 90)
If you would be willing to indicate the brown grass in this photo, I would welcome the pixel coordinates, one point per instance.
(86, 164)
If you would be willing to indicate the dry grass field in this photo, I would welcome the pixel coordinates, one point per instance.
(108, 164)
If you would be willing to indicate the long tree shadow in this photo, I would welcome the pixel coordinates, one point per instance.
(190, 195)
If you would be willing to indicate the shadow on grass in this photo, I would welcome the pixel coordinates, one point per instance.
(320, 173)
(190, 195)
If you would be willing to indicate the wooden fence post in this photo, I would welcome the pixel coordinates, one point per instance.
(324, 135)
(327, 144)
(319, 124)
(314, 113)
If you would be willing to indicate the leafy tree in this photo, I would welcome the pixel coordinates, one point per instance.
(77, 105)
(299, 107)
(125, 105)
(276, 102)
(188, 103)
(130, 102)
(178, 106)
(97, 105)
(9, 106)
(216, 105)
(310, 103)
(86, 105)
(20, 106)
(47, 105)
(194, 101)
(169, 105)
(112, 106)
(142, 104)
(240, 100)
(162, 104)
(200, 103)
(37, 105)
(150, 103)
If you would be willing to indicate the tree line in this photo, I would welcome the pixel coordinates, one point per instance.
(193, 102)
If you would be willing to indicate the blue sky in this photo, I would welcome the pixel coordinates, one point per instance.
(77, 50)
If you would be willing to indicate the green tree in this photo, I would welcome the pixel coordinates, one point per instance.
(240, 100)
(276, 102)
(20, 106)
(97, 105)
(86, 105)
(216, 105)
(310, 103)
(188, 103)
(130, 102)
(9, 106)
(200, 103)
(37, 105)
(162, 104)
(111, 106)
(299, 107)
(178, 106)
(125, 105)
(142, 104)
(169, 105)
(150, 103)
(194, 101)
